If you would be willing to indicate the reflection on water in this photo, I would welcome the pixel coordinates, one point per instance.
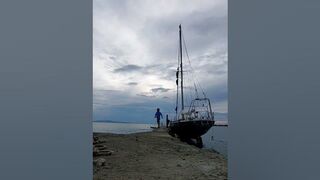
(215, 138)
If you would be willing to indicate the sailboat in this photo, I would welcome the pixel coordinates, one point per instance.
(193, 121)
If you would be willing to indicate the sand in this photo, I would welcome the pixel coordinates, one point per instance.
(156, 155)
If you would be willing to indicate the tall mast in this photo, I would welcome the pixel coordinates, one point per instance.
(181, 70)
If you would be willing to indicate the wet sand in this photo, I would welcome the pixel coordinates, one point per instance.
(155, 155)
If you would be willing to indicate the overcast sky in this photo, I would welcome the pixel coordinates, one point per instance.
(135, 45)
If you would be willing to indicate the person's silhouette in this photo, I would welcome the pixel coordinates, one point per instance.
(157, 115)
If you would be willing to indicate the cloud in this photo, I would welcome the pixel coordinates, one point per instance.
(155, 90)
(146, 94)
(128, 68)
(135, 54)
(132, 83)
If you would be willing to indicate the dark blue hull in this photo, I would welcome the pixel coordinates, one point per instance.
(190, 129)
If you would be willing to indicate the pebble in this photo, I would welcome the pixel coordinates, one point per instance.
(99, 162)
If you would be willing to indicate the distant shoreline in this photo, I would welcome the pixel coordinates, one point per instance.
(220, 122)
(123, 122)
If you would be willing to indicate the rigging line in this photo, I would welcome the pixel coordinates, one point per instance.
(186, 50)
(186, 91)
(195, 78)
(189, 86)
(189, 78)
(195, 88)
(192, 81)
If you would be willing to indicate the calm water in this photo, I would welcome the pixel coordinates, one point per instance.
(120, 128)
(215, 138)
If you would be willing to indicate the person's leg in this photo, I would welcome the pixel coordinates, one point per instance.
(158, 121)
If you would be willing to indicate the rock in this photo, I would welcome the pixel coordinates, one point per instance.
(103, 148)
(95, 151)
(97, 141)
(105, 152)
(99, 145)
(99, 162)
(106, 166)
(95, 138)
(101, 152)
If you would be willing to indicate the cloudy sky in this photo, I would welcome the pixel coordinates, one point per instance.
(135, 48)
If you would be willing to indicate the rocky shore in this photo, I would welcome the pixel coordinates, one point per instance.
(153, 155)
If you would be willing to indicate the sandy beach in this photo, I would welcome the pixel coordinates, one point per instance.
(153, 155)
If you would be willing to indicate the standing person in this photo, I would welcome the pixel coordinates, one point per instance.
(157, 115)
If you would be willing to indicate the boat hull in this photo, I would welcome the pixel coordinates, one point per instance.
(190, 129)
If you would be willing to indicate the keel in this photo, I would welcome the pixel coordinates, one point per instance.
(199, 143)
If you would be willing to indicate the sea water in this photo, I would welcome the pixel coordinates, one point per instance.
(120, 128)
(215, 138)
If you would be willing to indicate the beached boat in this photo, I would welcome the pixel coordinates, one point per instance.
(190, 122)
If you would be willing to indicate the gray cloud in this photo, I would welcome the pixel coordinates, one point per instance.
(128, 68)
(146, 94)
(132, 83)
(135, 47)
(160, 89)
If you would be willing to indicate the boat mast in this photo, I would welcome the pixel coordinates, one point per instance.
(181, 70)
